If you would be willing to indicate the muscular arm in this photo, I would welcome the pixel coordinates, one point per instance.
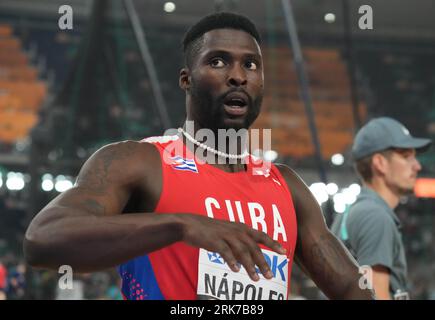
(83, 227)
(319, 253)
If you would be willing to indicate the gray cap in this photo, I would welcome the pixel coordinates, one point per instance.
(383, 133)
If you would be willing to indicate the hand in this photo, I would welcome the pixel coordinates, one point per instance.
(234, 241)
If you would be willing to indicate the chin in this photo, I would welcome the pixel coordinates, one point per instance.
(234, 123)
(406, 190)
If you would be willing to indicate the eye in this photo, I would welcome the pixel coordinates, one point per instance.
(217, 63)
(251, 65)
(409, 156)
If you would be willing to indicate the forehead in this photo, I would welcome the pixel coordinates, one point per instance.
(230, 40)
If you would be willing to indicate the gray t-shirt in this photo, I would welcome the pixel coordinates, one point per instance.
(371, 231)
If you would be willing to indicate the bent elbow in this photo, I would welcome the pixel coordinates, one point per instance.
(32, 252)
(39, 244)
(37, 253)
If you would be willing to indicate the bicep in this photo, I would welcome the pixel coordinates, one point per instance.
(104, 183)
(84, 201)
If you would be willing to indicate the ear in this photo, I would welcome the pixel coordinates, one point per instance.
(184, 80)
(380, 163)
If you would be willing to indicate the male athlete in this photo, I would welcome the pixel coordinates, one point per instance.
(195, 229)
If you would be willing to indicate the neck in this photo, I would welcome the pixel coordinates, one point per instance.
(389, 196)
(216, 148)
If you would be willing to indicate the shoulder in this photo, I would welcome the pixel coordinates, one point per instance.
(124, 161)
(126, 152)
(368, 211)
(303, 199)
(161, 140)
(291, 177)
(295, 183)
(310, 219)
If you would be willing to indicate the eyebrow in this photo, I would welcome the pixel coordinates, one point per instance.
(404, 150)
(224, 53)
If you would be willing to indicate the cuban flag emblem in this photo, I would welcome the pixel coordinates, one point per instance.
(182, 164)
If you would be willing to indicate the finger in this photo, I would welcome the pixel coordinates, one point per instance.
(263, 238)
(227, 254)
(243, 255)
(258, 258)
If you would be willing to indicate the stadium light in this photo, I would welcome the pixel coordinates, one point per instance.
(331, 188)
(169, 7)
(15, 181)
(318, 189)
(355, 188)
(62, 183)
(339, 207)
(47, 183)
(349, 196)
(329, 18)
(337, 159)
(339, 203)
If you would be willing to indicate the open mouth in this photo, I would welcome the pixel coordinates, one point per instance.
(236, 104)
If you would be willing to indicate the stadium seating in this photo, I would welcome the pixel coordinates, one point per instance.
(21, 92)
(284, 112)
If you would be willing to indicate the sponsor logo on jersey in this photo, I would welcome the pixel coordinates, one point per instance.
(278, 263)
(217, 281)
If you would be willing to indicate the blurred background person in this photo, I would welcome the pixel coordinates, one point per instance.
(3, 281)
(385, 156)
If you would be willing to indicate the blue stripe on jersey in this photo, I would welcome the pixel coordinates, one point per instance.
(138, 279)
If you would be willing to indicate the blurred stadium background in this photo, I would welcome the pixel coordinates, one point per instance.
(65, 93)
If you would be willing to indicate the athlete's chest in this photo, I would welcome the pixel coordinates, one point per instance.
(259, 201)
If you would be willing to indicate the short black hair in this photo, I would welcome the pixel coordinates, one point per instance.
(192, 40)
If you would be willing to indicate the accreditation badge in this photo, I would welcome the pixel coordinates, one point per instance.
(217, 281)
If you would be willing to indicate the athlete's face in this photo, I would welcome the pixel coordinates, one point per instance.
(225, 82)
(401, 170)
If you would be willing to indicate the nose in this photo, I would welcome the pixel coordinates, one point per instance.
(237, 76)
